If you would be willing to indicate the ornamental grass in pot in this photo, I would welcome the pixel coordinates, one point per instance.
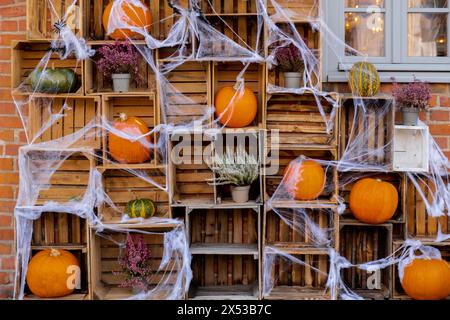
(289, 60)
(410, 99)
(118, 61)
(238, 169)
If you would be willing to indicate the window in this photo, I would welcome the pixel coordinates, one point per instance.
(402, 37)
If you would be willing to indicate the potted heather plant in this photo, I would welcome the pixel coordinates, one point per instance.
(411, 98)
(135, 264)
(289, 61)
(118, 61)
(238, 169)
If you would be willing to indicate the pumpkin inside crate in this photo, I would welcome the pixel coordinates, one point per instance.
(224, 78)
(229, 7)
(398, 291)
(122, 186)
(361, 244)
(190, 175)
(300, 122)
(96, 82)
(421, 225)
(42, 15)
(398, 180)
(188, 96)
(72, 120)
(281, 167)
(300, 227)
(295, 275)
(142, 107)
(82, 290)
(28, 56)
(108, 247)
(366, 126)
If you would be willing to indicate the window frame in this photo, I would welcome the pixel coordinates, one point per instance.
(396, 63)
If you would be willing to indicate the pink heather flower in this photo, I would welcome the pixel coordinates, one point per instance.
(416, 94)
(289, 58)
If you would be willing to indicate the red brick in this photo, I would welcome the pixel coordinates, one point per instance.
(9, 178)
(442, 142)
(13, 11)
(6, 164)
(6, 292)
(6, 221)
(22, 136)
(445, 101)
(10, 25)
(6, 192)
(11, 122)
(12, 149)
(5, 39)
(5, 81)
(439, 115)
(5, 278)
(7, 206)
(5, 249)
(8, 263)
(433, 101)
(6, 234)
(440, 129)
(7, 108)
(7, 135)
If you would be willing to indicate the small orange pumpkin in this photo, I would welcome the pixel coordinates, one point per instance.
(427, 279)
(130, 14)
(373, 201)
(126, 151)
(49, 271)
(235, 110)
(304, 180)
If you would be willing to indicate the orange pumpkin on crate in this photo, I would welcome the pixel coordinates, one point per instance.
(129, 15)
(304, 180)
(125, 151)
(373, 201)
(235, 109)
(427, 279)
(53, 273)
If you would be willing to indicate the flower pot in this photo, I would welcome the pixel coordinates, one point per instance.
(292, 79)
(121, 82)
(240, 194)
(410, 116)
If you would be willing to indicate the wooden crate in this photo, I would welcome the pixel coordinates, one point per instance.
(229, 7)
(300, 123)
(107, 248)
(366, 137)
(28, 55)
(190, 177)
(76, 126)
(411, 148)
(190, 98)
(295, 10)
(96, 83)
(361, 243)
(225, 74)
(142, 106)
(274, 173)
(58, 177)
(41, 17)
(420, 224)
(398, 292)
(289, 227)
(292, 280)
(162, 17)
(122, 186)
(398, 180)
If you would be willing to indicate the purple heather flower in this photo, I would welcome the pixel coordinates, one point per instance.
(416, 94)
(289, 58)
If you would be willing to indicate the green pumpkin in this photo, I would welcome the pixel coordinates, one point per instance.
(364, 80)
(60, 80)
(140, 208)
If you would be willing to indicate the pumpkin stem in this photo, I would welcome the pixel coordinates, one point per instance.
(123, 117)
(54, 252)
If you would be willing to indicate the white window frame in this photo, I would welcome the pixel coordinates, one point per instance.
(396, 63)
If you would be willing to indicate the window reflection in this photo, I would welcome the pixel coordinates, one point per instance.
(365, 33)
(363, 3)
(427, 3)
(427, 34)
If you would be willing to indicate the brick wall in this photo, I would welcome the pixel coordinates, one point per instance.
(12, 27)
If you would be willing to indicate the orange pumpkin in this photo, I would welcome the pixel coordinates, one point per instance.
(427, 279)
(373, 201)
(235, 109)
(130, 14)
(304, 180)
(49, 273)
(125, 151)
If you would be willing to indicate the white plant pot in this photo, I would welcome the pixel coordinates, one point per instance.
(121, 82)
(240, 194)
(292, 79)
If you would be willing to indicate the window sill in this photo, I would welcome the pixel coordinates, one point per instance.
(386, 77)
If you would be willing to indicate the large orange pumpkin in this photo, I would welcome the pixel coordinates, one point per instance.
(135, 16)
(235, 110)
(126, 151)
(49, 271)
(304, 180)
(427, 279)
(373, 201)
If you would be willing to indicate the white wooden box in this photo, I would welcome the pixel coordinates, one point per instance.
(411, 148)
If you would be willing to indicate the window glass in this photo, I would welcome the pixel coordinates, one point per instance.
(365, 33)
(427, 35)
